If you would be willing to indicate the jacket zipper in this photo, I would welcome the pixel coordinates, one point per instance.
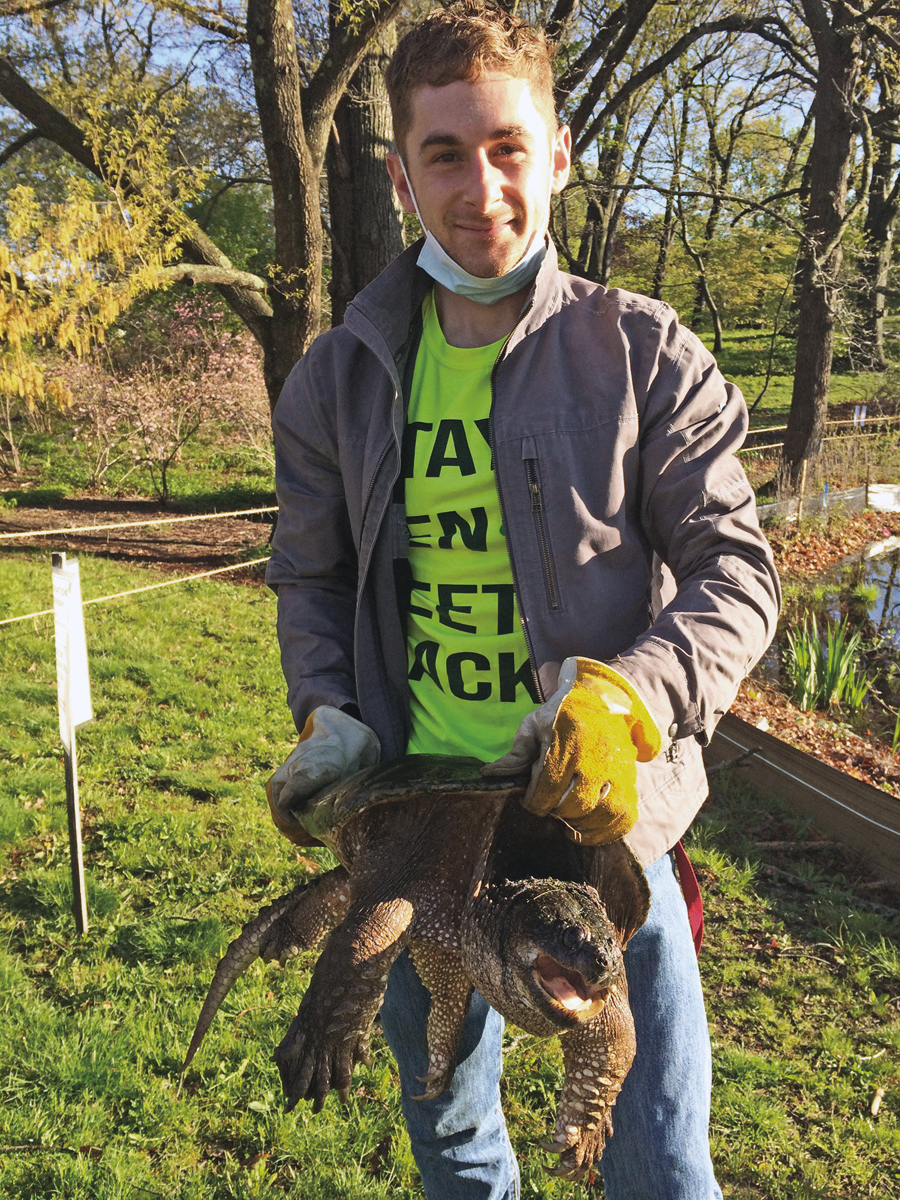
(537, 509)
(371, 488)
(361, 581)
(512, 566)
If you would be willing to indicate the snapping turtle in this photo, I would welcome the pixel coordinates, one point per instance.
(438, 858)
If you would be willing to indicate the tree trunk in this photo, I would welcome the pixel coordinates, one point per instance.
(295, 292)
(366, 220)
(867, 349)
(667, 233)
(829, 163)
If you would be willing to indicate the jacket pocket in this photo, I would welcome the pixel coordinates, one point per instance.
(538, 513)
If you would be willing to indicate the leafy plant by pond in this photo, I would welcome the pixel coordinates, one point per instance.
(825, 673)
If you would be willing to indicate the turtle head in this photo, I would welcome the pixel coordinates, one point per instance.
(543, 952)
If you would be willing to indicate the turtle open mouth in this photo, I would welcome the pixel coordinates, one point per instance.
(567, 989)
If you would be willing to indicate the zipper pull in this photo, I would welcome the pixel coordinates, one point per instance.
(536, 503)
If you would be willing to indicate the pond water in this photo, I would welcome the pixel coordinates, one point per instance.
(879, 575)
(867, 590)
(884, 573)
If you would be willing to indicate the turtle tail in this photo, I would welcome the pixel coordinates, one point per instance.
(295, 922)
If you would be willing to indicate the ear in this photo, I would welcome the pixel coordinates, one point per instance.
(619, 878)
(398, 178)
(562, 158)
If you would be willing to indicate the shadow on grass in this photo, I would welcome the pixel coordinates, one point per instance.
(165, 942)
(48, 897)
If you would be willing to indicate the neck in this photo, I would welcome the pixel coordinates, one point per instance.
(466, 324)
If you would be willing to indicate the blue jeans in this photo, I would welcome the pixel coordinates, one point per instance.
(660, 1148)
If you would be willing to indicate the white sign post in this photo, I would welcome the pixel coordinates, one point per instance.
(74, 694)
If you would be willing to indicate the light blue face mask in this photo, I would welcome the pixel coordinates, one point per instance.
(435, 260)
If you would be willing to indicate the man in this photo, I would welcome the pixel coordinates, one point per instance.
(512, 526)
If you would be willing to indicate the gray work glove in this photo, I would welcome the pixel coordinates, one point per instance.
(332, 746)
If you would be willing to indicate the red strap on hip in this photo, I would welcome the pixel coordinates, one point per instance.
(691, 891)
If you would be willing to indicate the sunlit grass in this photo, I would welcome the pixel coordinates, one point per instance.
(190, 719)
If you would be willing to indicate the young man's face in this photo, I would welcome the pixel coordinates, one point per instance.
(482, 163)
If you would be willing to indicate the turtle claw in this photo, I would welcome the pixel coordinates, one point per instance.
(437, 1081)
(574, 1163)
(564, 1172)
(578, 1152)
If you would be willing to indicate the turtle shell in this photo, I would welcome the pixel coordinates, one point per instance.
(412, 777)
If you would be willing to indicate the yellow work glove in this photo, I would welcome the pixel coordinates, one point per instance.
(332, 746)
(583, 745)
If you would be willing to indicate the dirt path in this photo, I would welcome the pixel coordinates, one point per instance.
(185, 547)
(176, 546)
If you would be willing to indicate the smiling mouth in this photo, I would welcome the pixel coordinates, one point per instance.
(485, 231)
(567, 990)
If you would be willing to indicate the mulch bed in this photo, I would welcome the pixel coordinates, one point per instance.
(180, 547)
(806, 552)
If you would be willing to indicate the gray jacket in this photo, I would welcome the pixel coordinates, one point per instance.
(631, 527)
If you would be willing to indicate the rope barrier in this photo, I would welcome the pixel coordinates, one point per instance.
(32, 533)
(151, 587)
(832, 437)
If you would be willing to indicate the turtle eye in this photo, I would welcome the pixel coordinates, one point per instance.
(575, 936)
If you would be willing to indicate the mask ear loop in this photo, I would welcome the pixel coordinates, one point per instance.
(412, 193)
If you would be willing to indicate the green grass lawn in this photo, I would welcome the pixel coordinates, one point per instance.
(211, 473)
(803, 987)
(744, 359)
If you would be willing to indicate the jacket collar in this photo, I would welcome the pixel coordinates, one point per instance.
(381, 314)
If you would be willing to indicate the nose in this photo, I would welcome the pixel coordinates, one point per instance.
(485, 183)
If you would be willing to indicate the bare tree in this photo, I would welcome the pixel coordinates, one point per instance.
(296, 96)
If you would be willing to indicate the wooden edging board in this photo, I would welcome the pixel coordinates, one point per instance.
(857, 814)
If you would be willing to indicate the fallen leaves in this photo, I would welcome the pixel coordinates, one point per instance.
(830, 742)
(809, 549)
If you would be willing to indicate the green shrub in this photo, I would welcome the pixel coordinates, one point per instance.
(825, 674)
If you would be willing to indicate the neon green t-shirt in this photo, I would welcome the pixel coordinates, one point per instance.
(469, 676)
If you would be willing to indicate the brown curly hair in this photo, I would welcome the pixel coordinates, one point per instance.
(466, 41)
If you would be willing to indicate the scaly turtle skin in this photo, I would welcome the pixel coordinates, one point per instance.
(442, 860)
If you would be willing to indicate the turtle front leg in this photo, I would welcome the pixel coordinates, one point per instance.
(597, 1058)
(443, 974)
(330, 1033)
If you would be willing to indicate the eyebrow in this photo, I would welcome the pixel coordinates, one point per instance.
(451, 139)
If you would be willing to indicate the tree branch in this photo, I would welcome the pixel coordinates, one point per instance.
(761, 27)
(879, 8)
(195, 244)
(14, 147)
(558, 20)
(213, 23)
(611, 43)
(9, 9)
(51, 123)
(223, 276)
(879, 33)
(345, 51)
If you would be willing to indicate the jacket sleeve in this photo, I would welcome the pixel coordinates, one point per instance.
(313, 568)
(698, 512)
